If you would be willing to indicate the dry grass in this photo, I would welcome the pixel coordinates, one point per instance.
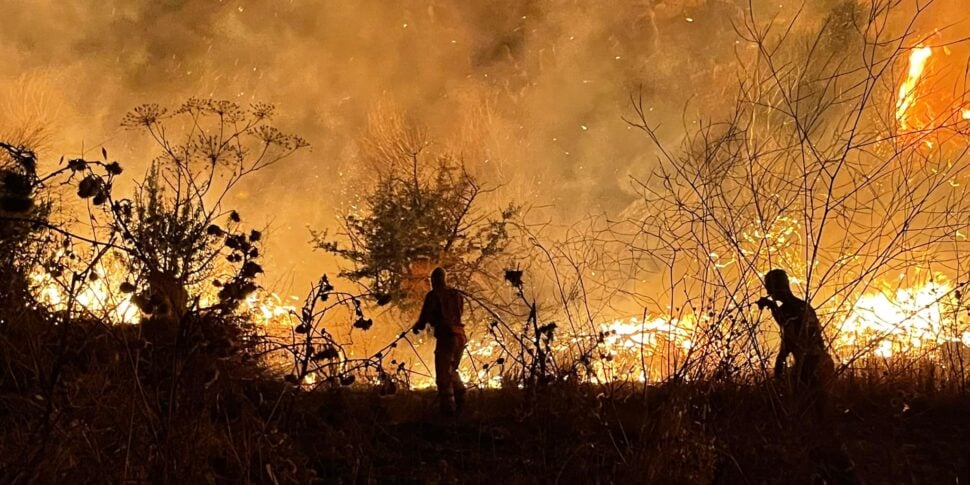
(123, 409)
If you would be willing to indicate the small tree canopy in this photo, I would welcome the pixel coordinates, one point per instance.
(411, 222)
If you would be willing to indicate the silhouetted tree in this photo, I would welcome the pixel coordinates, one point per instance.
(412, 221)
(207, 146)
(21, 214)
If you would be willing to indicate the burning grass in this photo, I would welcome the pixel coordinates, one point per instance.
(899, 327)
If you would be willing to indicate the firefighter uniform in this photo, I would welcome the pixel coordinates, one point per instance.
(442, 309)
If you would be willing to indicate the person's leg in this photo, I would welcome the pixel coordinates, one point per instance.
(458, 387)
(824, 381)
(812, 379)
(826, 373)
(443, 356)
(807, 371)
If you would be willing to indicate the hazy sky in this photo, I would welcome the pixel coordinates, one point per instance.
(530, 92)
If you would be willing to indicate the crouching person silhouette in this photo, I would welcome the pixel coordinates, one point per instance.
(801, 336)
(442, 309)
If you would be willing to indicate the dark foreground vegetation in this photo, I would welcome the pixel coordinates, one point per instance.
(125, 410)
(677, 434)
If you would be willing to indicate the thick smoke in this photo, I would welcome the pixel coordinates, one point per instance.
(530, 92)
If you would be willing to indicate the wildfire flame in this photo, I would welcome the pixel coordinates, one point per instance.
(910, 322)
(97, 295)
(94, 297)
(907, 96)
(101, 297)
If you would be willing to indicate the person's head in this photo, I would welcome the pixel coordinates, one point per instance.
(776, 283)
(439, 279)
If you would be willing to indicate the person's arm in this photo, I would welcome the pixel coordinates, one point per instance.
(425, 316)
(778, 317)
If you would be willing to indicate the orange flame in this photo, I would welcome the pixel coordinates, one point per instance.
(907, 90)
(908, 322)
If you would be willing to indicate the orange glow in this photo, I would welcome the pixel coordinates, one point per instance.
(909, 322)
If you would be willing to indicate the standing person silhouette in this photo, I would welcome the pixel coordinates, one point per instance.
(443, 307)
